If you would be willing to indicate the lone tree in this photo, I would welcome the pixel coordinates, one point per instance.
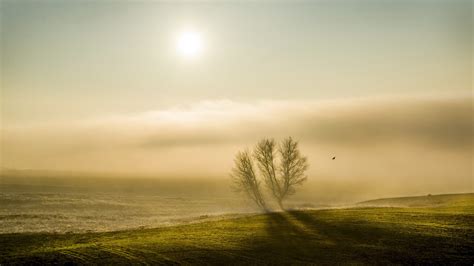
(282, 169)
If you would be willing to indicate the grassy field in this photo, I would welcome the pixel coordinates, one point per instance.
(441, 233)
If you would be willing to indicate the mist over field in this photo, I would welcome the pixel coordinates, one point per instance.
(397, 145)
(65, 202)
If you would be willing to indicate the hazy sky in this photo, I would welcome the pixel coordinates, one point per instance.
(63, 59)
(99, 86)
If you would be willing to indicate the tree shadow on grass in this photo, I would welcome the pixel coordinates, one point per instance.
(306, 237)
(292, 242)
(303, 239)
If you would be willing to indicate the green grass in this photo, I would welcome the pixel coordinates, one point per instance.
(439, 234)
(449, 201)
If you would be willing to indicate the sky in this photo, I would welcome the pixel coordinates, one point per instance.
(99, 86)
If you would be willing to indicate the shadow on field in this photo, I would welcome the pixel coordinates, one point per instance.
(298, 236)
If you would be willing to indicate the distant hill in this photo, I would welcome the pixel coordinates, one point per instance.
(442, 200)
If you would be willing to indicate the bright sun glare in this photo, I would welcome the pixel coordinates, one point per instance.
(189, 44)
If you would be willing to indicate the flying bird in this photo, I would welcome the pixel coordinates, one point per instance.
(334, 158)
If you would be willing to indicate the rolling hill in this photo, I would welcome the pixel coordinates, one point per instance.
(438, 230)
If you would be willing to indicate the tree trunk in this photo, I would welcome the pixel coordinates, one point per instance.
(280, 203)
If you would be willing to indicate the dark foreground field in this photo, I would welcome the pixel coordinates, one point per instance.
(440, 230)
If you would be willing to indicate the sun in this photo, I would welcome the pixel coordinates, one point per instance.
(189, 44)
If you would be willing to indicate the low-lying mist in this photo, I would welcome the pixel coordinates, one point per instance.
(382, 146)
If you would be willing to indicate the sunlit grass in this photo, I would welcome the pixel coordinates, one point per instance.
(440, 234)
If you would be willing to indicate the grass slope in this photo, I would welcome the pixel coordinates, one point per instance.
(428, 235)
(445, 200)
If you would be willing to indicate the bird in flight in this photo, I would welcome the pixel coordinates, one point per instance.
(334, 158)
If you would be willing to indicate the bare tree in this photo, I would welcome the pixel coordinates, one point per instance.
(280, 179)
(265, 154)
(245, 180)
(292, 168)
